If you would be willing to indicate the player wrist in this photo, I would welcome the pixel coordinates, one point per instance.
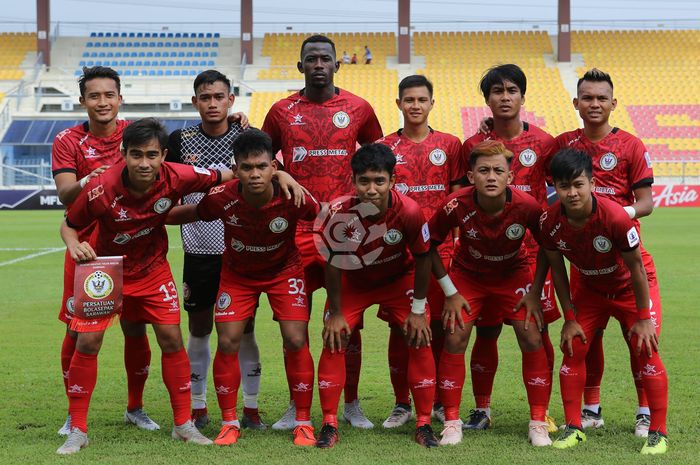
(447, 286)
(418, 306)
(631, 212)
(643, 313)
(569, 314)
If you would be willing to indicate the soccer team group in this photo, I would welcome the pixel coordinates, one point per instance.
(443, 236)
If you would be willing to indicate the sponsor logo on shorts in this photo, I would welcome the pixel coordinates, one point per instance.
(223, 301)
(163, 204)
(437, 157)
(527, 157)
(98, 285)
(341, 120)
(608, 161)
(602, 244)
(278, 225)
(515, 231)
(393, 236)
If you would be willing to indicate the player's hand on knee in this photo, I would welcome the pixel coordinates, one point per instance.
(335, 329)
(569, 331)
(82, 252)
(533, 309)
(646, 336)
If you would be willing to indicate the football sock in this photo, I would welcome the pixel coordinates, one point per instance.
(572, 380)
(536, 376)
(82, 378)
(483, 364)
(137, 361)
(67, 349)
(353, 364)
(227, 379)
(176, 376)
(421, 379)
(249, 360)
(398, 367)
(301, 378)
(656, 387)
(199, 353)
(331, 379)
(451, 375)
(595, 364)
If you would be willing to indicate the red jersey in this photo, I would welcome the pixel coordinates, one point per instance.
(371, 251)
(532, 152)
(259, 241)
(135, 226)
(318, 139)
(621, 163)
(594, 249)
(487, 244)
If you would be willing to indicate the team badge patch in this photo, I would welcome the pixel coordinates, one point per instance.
(223, 301)
(237, 245)
(527, 157)
(162, 205)
(515, 231)
(602, 244)
(608, 161)
(341, 120)
(438, 157)
(278, 225)
(393, 236)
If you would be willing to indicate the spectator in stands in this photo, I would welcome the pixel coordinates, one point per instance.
(368, 55)
(346, 58)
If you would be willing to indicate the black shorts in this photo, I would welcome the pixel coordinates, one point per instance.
(200, 278)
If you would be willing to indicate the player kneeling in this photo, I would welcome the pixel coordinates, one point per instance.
(377, 245)
(600, 240)
(260, 256)
(490, 269)
(130, 202)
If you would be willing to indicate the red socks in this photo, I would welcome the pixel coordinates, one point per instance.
(227, 380)
(137, 359)
(331, 379)
(484, 362)
(82, 377)
(538, 382)
(451, 375)
(176, 376)
(300, 375)
(421, 378)
(353, 363)
(398, 367)
(67, 349)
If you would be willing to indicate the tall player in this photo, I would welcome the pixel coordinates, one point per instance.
(491, 271)
(79, 154)
(260, 256)
(318, 129)
(503, 88)
(388, 264)
(602, 243)
(129, 202)
(428, 168)
(623, 172)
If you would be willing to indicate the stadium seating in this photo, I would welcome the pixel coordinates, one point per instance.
(14, 47)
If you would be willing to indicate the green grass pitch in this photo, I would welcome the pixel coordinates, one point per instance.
(34, 404)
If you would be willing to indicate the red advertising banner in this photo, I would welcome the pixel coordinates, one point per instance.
(676, 195)
(98, 288)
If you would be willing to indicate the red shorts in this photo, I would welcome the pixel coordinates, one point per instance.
(238, 297)
(65, 313)
(492, 300)
(593, 310)
(149, 299)
(314, 263)
(394, 299)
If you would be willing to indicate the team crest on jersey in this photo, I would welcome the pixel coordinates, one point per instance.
(70, 305)
(437, 157)
(223, 301)
(298, 153)
(341, 120)
(237, 245)
(393, 236)
(278, 225)
(98, 285)
(515, 231)
(608, 161)
(527, 157)
(162, 204)
(401, 188)
(602, 244)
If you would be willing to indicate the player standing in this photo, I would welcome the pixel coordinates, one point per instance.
(428, 168)
(260, 256)
(602, 243)
(390, 266)
(503, 88)
(491, 270)
(318, 129)
(623, 172)
(79, 154)
(129, 202)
